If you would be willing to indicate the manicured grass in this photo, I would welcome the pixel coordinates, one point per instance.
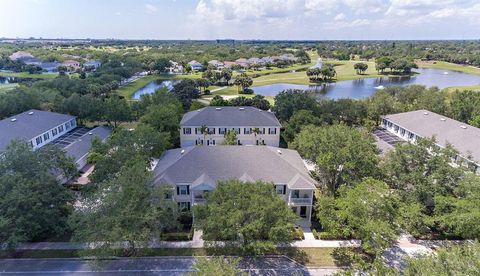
(323, 256)
(460, 88)
(450, 66)
(5, 87)
(28, 75)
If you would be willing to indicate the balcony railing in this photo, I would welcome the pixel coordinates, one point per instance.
(301, 200)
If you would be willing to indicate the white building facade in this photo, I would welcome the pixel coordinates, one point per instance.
(209, 125)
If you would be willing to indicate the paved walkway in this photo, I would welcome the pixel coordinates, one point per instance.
(307, 234)
(406, 246)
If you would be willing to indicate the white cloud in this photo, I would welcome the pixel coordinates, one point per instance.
(339, 17)
(149, 8)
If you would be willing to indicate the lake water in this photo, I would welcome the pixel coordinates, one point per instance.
(362, 88)
(153, 86)
(7, 80)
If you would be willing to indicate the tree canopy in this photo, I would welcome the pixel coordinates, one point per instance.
(249, 215)
(33, 203)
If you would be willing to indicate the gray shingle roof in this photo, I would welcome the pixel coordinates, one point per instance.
(426, 124)
(248, 163)
(82, 145)
(28, 126)
(230, 116)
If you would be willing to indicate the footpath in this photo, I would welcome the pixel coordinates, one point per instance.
(196, 242)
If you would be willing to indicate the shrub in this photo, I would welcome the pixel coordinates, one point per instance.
(247, 91)
(206, 92)
(176, 236)
(315, 234)
(329, 236)
(298, 233)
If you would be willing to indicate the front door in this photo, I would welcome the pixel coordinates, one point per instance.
(303, 211)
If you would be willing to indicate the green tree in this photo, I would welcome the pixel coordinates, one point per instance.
(243, 81)
(217, 100)
(125, 210)
(454, 260)
(343, 155)
(458, 214)
(218, 266)
(230, 137)
(249, 215)
(290, 101)
(360, 67)
(299, 120)
(366, 211)
(33, 204)
(164, 118)
(117, 110)
(143, 142)
(327, 72)
(186, 91)
(421, 170)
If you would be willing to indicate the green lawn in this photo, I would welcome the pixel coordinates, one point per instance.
(5, 87)
(450, 66)
(28, 75)
(324, 256)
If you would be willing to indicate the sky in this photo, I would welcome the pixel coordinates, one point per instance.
(241, 19)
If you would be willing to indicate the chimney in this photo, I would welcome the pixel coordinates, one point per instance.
(30, 113)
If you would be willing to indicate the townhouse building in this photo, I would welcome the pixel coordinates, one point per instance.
(414, 125)
(208, 126)
(193, 172)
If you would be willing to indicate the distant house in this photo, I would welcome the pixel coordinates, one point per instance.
(253, 61)
(91, 65)
(20, 55)
(195, 65)
(175, 68)
(288, 57)
(229, 64)
(39, 128)
(72, 65)
(242, 119)
(50, 67)
(31, 61)
(242, 62)
(216, 63)
(195, 171)
(265, 60)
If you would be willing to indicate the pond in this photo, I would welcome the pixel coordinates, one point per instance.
(362, 88)
(153, 86)
(7, 80)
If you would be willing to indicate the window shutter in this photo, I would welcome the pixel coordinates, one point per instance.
(284, 189)
(188, 190)
(188, 203)
(178, 190)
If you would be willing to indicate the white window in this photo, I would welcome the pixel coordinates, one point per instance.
(60, 129)
(46, 136)
(183, 190)
(222, 130)
(184, 206)
(280, 189)
(54, 132)
(272, 131)
(187, 131)
(67, 126)
(247, 131)
(38, 140)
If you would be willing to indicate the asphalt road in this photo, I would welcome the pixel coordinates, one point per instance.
(147, 266)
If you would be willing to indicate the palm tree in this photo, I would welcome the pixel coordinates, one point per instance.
(204, 131)
(256, 131)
